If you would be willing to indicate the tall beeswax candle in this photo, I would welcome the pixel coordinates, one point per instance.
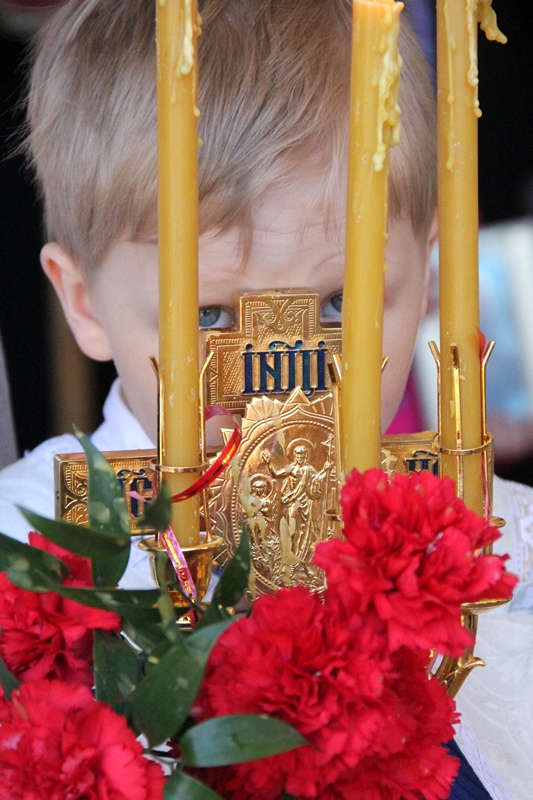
(458, 112)
(374, 127)
(177, 122)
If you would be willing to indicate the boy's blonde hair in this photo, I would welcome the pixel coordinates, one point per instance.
(274, 97)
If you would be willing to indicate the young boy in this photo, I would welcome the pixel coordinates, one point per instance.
(274, 97)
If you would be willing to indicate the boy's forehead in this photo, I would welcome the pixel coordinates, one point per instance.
(274, 260)
(295, 240)
(290, 224)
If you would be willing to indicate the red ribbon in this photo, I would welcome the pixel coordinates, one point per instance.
(168, 538)
(221, 462)
(482, 342)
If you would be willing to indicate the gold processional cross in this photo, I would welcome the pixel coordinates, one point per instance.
(270, 371)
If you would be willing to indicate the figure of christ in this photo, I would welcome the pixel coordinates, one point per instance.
(302, 485)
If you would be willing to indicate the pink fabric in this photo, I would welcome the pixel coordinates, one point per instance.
(408, 418)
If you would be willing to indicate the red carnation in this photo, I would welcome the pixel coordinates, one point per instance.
(57, 742)
(407, 760)
(408, 559)
(45, 635)
(295, 660)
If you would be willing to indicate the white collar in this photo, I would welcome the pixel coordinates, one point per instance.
(120, 430)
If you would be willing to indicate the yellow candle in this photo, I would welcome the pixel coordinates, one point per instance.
(458, 112)
(177, 122)
(374, 126)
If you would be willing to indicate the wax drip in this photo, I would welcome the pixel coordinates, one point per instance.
(451, 45)
(489, 23)
(185, 55)
(388, 81)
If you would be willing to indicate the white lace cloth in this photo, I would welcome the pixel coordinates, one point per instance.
(475, 755)
(497, 700)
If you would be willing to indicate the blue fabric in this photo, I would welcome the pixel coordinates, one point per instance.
(467, 785)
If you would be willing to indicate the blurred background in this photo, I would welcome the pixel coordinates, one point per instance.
(39, 349)
(52, 385)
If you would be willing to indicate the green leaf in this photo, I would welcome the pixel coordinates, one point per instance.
(236, 739)
(145, 636)
(109, 554)
(162, 701)
(201, 641)
(7, 679)
(232, 583)
(107, 511)
(158, 652)
(183, 787)
(116, 671)
(157, 514)
(166, 608)
(28, 567)
(236, 575)
(213, 614)
(136, 605)
(76, 538)
(105, 500)
(38, 571)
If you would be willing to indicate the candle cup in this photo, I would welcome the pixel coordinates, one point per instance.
(199, 561)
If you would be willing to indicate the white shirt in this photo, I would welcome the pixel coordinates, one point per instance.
(496, 701)
(29, 482)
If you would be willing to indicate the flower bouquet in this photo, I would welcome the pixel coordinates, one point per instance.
(106, 697)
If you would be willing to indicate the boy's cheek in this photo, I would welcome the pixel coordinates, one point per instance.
(399, 347)
(214, 427)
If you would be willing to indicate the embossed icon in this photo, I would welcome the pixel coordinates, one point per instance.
(283, 481)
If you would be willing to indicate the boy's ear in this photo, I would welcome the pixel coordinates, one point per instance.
(433, 235)
(69, 283)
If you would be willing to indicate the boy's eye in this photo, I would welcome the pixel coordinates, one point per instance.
(332, 308)
(215, 317)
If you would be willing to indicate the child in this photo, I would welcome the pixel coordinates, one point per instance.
(274, 88)
(274, 95)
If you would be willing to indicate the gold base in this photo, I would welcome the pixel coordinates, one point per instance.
(484, 605)
(199, 560)
(453, 672)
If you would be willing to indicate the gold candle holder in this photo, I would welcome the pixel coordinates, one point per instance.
(454, 671)
(457, 457)
(200, 555)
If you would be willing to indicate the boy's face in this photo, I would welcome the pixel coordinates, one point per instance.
(291, 249)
